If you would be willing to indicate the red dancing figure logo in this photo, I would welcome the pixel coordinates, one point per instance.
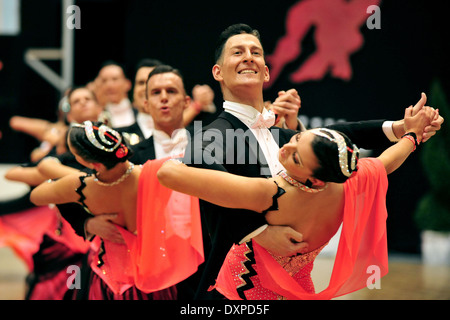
(337, 36)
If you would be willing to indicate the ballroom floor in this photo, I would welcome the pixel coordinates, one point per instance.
(408, 279)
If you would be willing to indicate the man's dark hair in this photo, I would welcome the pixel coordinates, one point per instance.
(147, 63)
(235, 29)
(75, 88)
(164, 68)
(112, 63)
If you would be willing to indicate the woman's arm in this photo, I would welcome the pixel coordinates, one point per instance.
(28, 175)
(32, 126)
(47, 168)
(393, 157)
(218, 187)
(57, 192)
(52, 168)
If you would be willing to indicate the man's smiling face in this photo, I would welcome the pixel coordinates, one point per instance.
(242, 62)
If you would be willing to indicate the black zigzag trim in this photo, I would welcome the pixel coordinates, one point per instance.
(251, 272)
(79, 190)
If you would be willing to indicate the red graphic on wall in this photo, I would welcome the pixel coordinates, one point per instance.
(337, 35)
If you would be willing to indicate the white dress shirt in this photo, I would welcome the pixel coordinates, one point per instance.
(166, 146)
(145, 123)
(122, 113)
(249, 116)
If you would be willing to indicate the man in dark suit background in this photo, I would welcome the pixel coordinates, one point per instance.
(142, 128)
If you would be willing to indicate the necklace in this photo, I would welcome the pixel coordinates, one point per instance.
(123, 177)
(300, 185)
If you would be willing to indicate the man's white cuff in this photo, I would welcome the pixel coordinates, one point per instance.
(387, 129)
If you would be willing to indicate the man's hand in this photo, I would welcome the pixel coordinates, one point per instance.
(433, 127)
(287, 105)
(102, 226)
(429, 130)
(282, 241)
(419, 121)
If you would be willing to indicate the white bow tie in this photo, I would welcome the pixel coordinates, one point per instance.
(264, 120)
(179, 139)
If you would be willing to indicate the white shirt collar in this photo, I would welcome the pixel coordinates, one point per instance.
(243, 112)
(146, 123)
(251, 117)
(122, 114)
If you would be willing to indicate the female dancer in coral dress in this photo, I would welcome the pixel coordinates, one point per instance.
(142, 267)
(324, 185)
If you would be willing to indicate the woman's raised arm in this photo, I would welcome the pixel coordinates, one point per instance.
(393, 157)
